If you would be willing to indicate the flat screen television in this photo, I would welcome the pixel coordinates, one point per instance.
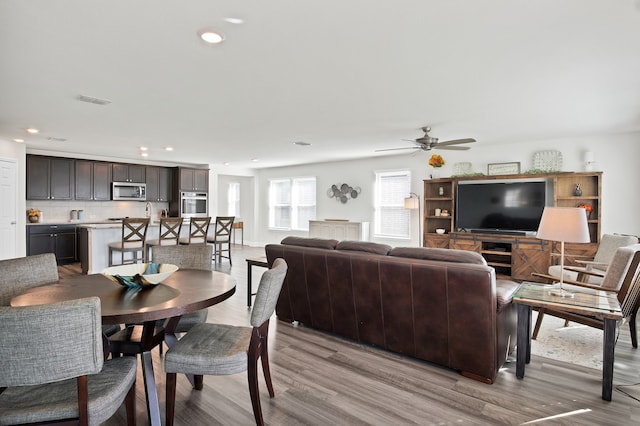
(512, 207)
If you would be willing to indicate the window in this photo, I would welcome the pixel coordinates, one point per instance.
(292, 203)
(391, 217)
(233, 199)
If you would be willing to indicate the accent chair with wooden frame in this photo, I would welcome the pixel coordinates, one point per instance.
(221, 239)
(622, 277)
(219, 349)
(134, 235)
(41, 385)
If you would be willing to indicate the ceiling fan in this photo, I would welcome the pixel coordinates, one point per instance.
(427, 143)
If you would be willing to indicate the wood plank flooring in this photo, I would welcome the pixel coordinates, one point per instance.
(321, 379)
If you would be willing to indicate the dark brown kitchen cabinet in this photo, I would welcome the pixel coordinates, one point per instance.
(194, 179)
(93, 180)
(50, 178)
(128, 173)
(158, 183)
(57, 239)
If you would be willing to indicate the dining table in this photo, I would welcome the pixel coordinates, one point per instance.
(186, 290)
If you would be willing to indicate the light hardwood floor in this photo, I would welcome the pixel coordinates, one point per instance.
(321, 379)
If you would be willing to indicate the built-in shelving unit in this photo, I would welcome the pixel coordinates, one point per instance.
(514, 256)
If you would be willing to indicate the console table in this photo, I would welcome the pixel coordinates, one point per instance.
(339, 230)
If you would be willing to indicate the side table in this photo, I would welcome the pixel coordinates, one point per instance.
(253, 261)
(599, 304)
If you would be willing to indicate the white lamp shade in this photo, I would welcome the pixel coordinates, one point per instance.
(411, 203)
(568, 224)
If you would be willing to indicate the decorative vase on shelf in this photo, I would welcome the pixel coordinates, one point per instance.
(578, 190)
(436, 161)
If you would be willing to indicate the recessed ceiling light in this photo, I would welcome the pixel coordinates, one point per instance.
(301, 143)
(18, 140)
(169, 148)
(226, 163)
(144, 154)
(32, 130)
(255, 160)
(236, 21)
(143, 148)
(211, 36)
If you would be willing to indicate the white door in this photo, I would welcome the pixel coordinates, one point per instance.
(8, 214)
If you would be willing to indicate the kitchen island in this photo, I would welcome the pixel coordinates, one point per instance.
(94, 239)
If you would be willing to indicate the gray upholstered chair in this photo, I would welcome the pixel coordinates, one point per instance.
(52, 366)
(622, 277)
(221, 238)
(592, 271)
(219, 349)
(192, 256)
(23, 273)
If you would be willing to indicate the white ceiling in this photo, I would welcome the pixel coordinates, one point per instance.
(347, 76)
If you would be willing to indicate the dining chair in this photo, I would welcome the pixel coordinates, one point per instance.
(23, 273)
(168, 234)
(134, 235)
(194, 256)
(41, 385)
(622, 278)
(221, 238)
(220, 349)
(198, 229)
(592, 270)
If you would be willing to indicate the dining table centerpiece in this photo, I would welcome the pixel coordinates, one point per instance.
(139, 275)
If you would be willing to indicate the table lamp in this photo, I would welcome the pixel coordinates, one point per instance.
(413, 202)
(563, 224)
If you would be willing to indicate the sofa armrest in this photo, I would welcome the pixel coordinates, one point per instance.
(505, 289)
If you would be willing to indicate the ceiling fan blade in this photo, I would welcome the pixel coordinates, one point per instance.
(451, 148)
(456, 141)
(396, 149)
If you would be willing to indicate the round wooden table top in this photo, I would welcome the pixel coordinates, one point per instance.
(186, 290)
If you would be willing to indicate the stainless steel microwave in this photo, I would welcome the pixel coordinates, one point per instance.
(129, 191)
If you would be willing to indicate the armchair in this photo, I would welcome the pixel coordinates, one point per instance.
(622, 277)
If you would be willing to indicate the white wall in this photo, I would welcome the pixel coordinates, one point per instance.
(16, 151)
(247, 203)
(616, 156)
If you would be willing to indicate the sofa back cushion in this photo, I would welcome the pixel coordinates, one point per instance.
(364, 246)
(310, 242)
(441, 254)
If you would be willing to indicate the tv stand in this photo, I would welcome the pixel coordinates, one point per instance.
(516, 254)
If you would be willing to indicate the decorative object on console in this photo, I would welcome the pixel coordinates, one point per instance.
(503, 169)
(587, 207)
(35, 215)
(578, 190)
(563, 224)
(413, 202)
(547, 161)
(343, 192)
(436, 161)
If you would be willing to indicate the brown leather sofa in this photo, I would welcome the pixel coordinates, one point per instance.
(439, 305)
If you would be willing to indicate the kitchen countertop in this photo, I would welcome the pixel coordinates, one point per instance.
(89, 223)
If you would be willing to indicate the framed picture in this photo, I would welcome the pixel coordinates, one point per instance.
(503, 169)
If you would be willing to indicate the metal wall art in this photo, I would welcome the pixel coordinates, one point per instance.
(343, 192)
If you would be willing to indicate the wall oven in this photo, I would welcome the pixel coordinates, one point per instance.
(193, 204)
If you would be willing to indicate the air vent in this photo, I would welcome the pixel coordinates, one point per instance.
(52, 139)
(92, 100)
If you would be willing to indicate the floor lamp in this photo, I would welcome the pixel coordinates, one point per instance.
(412, 202)
(563, 224)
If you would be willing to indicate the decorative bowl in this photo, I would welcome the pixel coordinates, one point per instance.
(134, 275)
(440, 231)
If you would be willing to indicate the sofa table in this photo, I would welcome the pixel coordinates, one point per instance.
(253, 261)
(599, 304)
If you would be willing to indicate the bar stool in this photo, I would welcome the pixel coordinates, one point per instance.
(222, 237)
(198, 228)
(134, 234)
(169, 233)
